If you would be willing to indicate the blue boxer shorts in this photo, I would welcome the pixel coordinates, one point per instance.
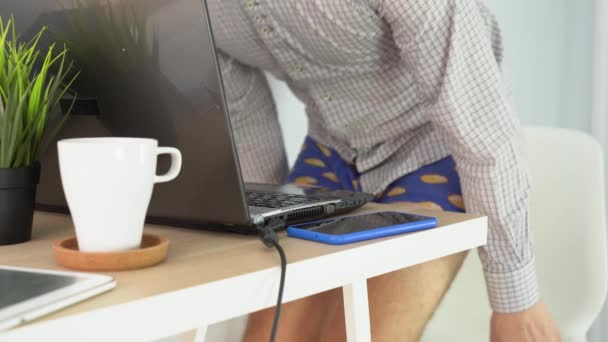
(433, 186)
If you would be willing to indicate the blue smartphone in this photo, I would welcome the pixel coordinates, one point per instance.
(343, 230)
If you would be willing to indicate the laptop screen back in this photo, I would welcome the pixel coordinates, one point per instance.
(148, 69)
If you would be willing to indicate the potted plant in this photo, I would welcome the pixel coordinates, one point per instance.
(32, 81)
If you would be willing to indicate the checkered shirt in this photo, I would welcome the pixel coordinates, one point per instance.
(391, 85)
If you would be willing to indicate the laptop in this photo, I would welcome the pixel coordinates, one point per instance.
(28, 293)
(149, 69)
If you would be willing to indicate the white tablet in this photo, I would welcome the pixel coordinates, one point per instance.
(27, 293)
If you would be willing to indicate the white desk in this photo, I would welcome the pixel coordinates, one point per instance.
(212, 277)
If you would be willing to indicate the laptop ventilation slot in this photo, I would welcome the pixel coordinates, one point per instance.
(305, 213)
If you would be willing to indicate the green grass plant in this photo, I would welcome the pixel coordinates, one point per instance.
(33, 80)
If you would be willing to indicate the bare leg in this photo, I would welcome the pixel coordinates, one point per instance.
(301, 320)
(401, 303)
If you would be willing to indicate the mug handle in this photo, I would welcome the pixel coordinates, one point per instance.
(176, 164)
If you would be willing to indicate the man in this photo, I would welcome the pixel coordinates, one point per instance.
(405, 99)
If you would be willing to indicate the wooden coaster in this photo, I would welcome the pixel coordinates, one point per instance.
(153, 251)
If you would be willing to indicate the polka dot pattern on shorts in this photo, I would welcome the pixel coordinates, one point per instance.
(435, 186)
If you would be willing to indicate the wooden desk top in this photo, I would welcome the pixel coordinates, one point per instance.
(195, 257)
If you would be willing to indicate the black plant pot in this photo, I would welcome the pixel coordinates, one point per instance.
(17, 198)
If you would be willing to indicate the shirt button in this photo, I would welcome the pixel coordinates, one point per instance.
(267, 29)
(328, 97)
(250, 3)
(296, 67)
(258, 18)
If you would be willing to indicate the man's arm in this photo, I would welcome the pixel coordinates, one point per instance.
(254, 122)
(454, 60)
(453, 50)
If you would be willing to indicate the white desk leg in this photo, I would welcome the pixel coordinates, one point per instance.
(356, 311)
(200, 334)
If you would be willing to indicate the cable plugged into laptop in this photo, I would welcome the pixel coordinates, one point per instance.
(269, 237)
(267, 232)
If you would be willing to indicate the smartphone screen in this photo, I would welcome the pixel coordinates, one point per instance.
(354, 224)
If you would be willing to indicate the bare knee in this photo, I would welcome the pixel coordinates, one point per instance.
(301, 320)
(402, 302)
(259, 325)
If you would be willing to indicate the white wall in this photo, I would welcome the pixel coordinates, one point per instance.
(293, 120)
(548, 45)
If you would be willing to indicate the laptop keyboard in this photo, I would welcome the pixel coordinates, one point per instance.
(276, 200)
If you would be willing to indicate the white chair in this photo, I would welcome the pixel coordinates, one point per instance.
(568, 222)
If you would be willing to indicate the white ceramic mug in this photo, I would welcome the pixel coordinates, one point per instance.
(108, 184)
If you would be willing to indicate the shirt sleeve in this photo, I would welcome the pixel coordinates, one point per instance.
(453, 50)
(254, 121)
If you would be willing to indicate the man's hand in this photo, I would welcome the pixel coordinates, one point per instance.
(533, 325)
